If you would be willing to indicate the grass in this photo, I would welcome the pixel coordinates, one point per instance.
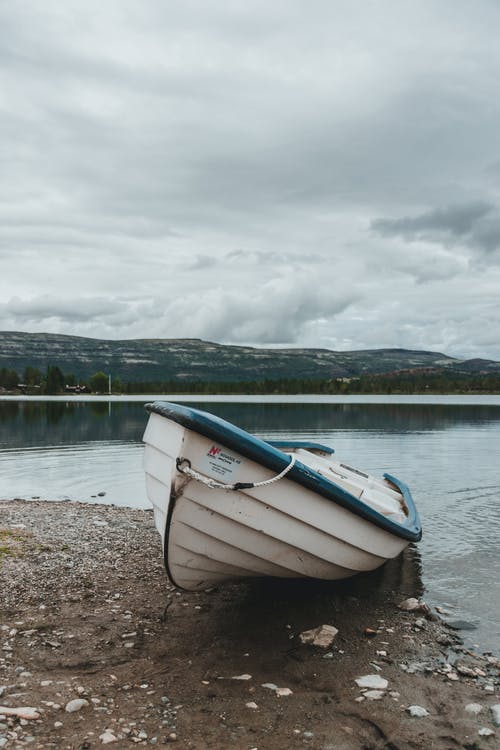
(10, 543)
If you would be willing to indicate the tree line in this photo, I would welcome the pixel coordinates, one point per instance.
(53, 381)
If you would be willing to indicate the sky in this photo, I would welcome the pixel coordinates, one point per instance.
(301, 173)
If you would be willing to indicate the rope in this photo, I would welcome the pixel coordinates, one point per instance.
(184, 466)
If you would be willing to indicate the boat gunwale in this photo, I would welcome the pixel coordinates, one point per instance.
(260, 451)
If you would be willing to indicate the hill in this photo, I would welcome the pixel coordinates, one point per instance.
(153, 360)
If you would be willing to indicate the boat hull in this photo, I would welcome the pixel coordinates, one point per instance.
(211, 536)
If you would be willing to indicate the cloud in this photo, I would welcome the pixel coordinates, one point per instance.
(475, 225)
(210, 169)
(45, 308)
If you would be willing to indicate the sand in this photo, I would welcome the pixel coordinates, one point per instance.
(87, 615)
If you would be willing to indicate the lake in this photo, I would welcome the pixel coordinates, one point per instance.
(446, 448)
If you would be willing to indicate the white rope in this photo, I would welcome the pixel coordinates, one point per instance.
(184, 466)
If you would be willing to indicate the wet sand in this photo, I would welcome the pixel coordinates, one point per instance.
(88, 615)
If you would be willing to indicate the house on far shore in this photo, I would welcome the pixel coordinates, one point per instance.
(76, 389)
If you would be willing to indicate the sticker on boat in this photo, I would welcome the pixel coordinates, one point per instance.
(217, 462)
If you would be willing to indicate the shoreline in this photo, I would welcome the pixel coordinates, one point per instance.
(87, 615)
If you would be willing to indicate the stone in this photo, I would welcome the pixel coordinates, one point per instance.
(22, 712)
(372, 681)
(465, 671)
(251, 704)
(322, 636)
(417, 711)
(374, 695)
(474, 708)
(107, 737)
(76, 705)
(242, 677)
(485, 732)
(495, 710)
(409, 605)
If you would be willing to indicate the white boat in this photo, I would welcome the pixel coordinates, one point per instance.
(229, 505)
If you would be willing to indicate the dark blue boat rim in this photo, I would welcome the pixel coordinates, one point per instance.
(258, 450)
(306, 444)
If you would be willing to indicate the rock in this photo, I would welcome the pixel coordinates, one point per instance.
(372, 681)
(417, 711)
(474, 708)
(374, 695)
(409, 605)
(22, 712)
(322, 636)
(75, 705)
(242, 677)
(461, 625)
(485, 732)
(107, 736)
(251, 704)
(414, 605)
(280, 692)
(370, 632)
(495, 710)
(465, 671)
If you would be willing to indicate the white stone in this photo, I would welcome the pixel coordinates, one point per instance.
(417, 711)
(322, 636)
(251, 704)
(106, 737)
(495, 710)
(485, 732)
(242, 677)
(22, 712)
(409, 605)
(372, 681)
(474, 708)
(269, 685)
(75, 705)
(374, 695)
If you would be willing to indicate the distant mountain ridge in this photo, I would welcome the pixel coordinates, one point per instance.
(156, 360)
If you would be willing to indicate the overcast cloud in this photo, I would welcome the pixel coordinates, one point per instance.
(292, 173)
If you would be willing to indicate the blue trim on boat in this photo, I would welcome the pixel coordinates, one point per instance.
(258, 450)
(305, 444)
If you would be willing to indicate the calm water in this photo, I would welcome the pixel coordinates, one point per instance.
(446, 451)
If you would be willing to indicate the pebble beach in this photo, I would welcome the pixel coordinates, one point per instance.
(98, 648)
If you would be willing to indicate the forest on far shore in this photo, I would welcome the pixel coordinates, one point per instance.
(55, 382)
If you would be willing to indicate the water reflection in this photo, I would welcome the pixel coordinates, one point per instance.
(26, 423)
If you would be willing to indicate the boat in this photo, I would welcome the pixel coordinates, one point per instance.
(230, 506)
